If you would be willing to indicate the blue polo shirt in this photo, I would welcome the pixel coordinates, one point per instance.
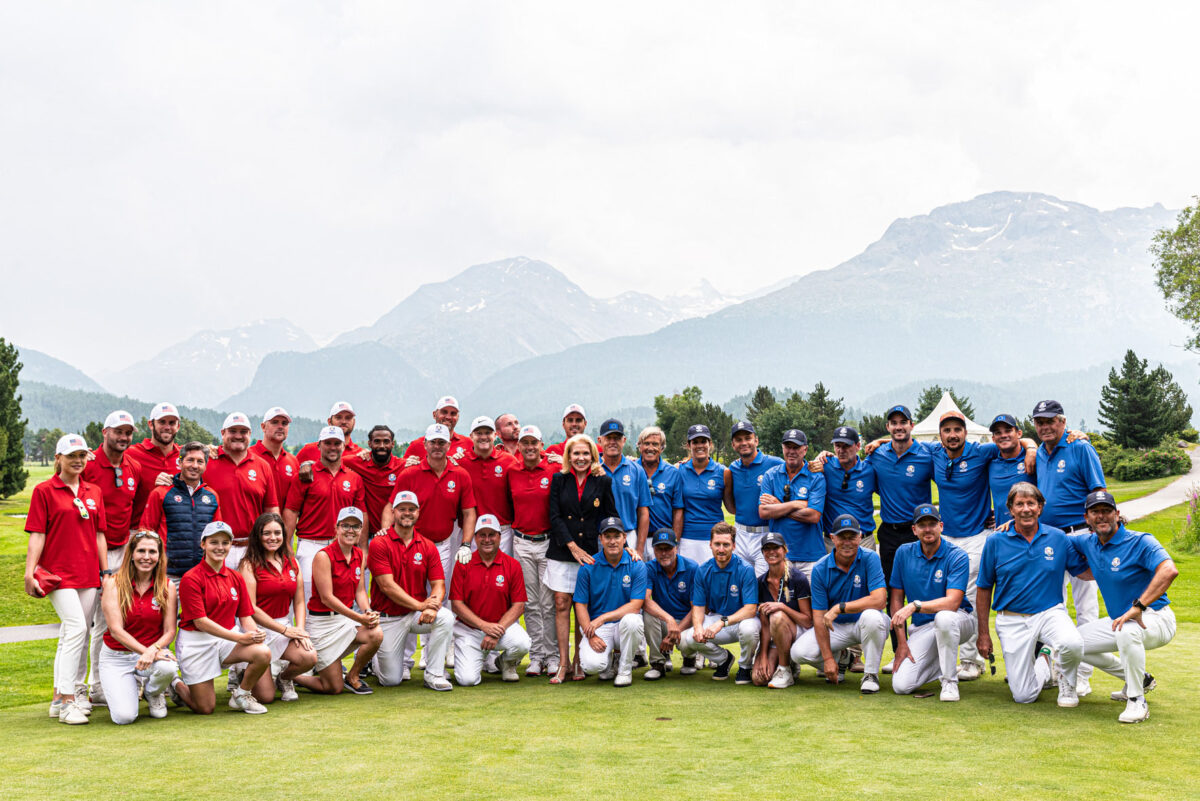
(902, 481)
(1066, 475)
(747, 486)
(630, 490)
(963, 487)
(605, 588)
(703, 494)
(831, 585)
(928, 578)
(1027, 576)
(723, 591)
(666, 495)
(1122, 568)
(673, 593)
(856, 499)
(1002, 475)
(804, 540)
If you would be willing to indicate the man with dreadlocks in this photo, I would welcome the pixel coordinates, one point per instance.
(785, 612)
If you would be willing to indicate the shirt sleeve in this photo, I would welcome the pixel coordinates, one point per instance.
(898, 567)
(434, 559)
(750, 594)
(643, 483)
(1093, 473)
(676, 490)
(816, 493)
(377, 557)
(458, 580)
(990, 451)
(191, 599)
(360, 493)
(800, 586)
(295, 495)
(875, 578)
(101, 517)
(1152, 554)
(38, 518)
(516, 583)
(271, 497)
(958, 571)
(152, 516)
(698, 594)
(820, 598)
(1076, 562)
(467, 499)
(641, 583)
(583, 584)
(987, 564)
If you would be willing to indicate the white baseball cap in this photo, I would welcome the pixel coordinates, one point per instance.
(276, 411)
(340, 406)
(483, 422)
(70, 443)
(530, 431)
(119, 418)
(574, 407)
(350, 511)
(162, 410)
(236, 419)
(216, 527)
(446, 400)
(437, 431)
(406, 496)
(487, 521)
(332, 432)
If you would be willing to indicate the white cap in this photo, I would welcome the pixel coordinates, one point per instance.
(446, 400)
(351, 511)
(530, 431)
(162, 410)
(236, 419)
(487, 521)
(437, 431)
(574, 407)
(119, 418)
(216, 527)
(483, 422)
(276, 411)
(70, 443)
(340, 406)
(332, 432)
(406, 496)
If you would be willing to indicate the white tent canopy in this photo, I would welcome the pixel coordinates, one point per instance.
(927, 429)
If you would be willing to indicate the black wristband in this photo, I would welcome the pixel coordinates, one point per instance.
(1138, 603)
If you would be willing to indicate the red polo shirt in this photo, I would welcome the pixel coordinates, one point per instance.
(274, 589)
(557, 448)
(320, 501)
(287, 469)
(460, 446)
(312, 451)
(246, 489)
(143, 621)
(153, 517)
(488, 590)
(490, 484)
(378, 483)
(441, 498)
(118, 492)
(69, 551)
(530, 493)
(410, 566)
(219, 595)
(150, 461)
(346, 573)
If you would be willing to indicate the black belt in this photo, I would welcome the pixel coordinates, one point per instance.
(1077, 527)
(311, 613)
(538, 538)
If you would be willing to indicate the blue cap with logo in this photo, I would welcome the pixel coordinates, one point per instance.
(845, 524)
(1099, 497)
(773, 539)
(902, 409)
(611, 524)
(795, 436)
(742, 425)
(698, 431)
(664, 536)
(1006, 419)
(612, 426)
(925, 510)
(1048, 408)
(845, 435)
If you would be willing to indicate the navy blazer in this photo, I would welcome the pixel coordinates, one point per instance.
(576, 519)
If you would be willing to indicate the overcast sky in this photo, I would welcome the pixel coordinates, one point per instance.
(167, 167)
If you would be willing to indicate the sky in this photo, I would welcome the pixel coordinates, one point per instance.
(168, 166)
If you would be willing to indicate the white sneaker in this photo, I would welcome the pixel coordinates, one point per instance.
(886, 668)
(949, 690)
(969, 671)
(72, 714)
(1136, 710)
(534, 669)
(551, 667)
(870, 684)
(81, 699)
(158, 705)
(246, 702)
(56, 707)
(623, 679)
(450, 659)
(1066, 695)
(438, 683)
(611, 670)
(491, 664)
(406, 674)
(782, 678)
(1083, 687)
(655, 671)
(508, 671)
(689, 666)
(96, 696)
(234, 680)
(1148, 684)
(287, 690)
(421, 663)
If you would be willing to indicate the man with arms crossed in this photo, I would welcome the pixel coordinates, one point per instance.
(608, 598)
(793, 499)
(744, 490)
(724, 608)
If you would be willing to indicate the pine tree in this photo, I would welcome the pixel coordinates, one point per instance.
(930, 396)
(1131, 407)
(12, 425)
(762, 400)
(826, 413)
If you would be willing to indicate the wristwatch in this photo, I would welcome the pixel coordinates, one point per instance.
(917, 605)
(842, 608)
(1138, 603)
(724, 621)
(111, 572)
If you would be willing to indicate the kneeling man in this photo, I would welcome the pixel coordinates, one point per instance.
(609, 594)
(724, 608)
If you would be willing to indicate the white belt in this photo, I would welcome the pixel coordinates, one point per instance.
(756, 529)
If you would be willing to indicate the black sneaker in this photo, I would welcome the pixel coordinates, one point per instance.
(367, 671)
(744, 676)
(639, 660)
(721, 671)
(360, 689)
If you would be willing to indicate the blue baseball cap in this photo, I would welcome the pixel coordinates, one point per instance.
(925, 510)
(795, 436)
(742, 425)
(1007, 419)
(843, 524)
(612, 426)
(846, 435)
(698, 431)
(1048, 408)
(1099, 497)
(664, 536)
(773, 539)
(902, 409)
(612, 524)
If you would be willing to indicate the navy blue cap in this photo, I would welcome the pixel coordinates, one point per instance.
(1098, 497)
(1048, 408)
(925, 510)
(742, 425)
(795, 436)
(774, 538)
(1003, 418)
(612, 524)
(612, 426)
(899, 407)
(664, 536)
(846, 435)
(697, 431)
(844, 523)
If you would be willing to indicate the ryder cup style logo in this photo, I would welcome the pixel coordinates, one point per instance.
(712, 484)
(858, 581)
(154, 603)
(625, 581)
(499, 581)
(346, 486)
(205, 499)
(1062, 465)
(178, 498)
(292, 573)
(858, 485)
(417, 557)
(233, 593)
(176, 462)
(358, 572)
(450, 486)
(91, 503)
(1021, 467)
(802, 492)
(1049, 552)
(624, 479)
(1116, 563)
(129, 481)
(962, 466)
(287, 468)
(545, 482)
(391, 478)
(252, 474)
(499, 470)
(911, 470)
(759, 479)
(937, 575)
(733, 589)
(682, 586)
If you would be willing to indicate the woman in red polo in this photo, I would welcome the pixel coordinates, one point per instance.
(67, 554)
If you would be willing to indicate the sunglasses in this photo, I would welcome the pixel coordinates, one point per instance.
(949, 471)
(83, 512)
(845, 481)
(141, 535)
(117, 476)
(787, 492)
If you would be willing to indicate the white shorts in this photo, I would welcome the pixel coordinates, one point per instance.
(699, 551)
(560, 576)
(201, 656)
(332, 635)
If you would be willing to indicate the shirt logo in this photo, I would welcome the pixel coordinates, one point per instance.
(1021, 467)
(252, 474)
(178, 498)
(458, 452)
(858, 581)
(910, 470)
(358, 572)
(233, 593)
(287, 468)
(292, 574)
(712, 484)
(129, 481)
(500, 581)
(545, 482)
(450, 485)
(802, 492)
(1116, 563)
(500, 471)
(733, 589)
(662, 486)
(624, 479)
(759, 479)
(1062, 465)
(937, 575)
(625, 581)
(91, 502)
(1049, 552)
(205, 499)
(682, 586)
(176, 462)
(962, 466)
(418, 557)
(154, 603)
(858, 485)
(391, 478)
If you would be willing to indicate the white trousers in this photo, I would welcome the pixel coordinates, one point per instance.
(744, 633)
(1130, 645)
(748, 545)
(696, 550)
(234, 557)
(934, 648)
(629, 633)
(870, 632)
(447, 550)
(389, 659)
(1019, 635)
(119, 679)
(974, 548)
(1086, 595)
(804, 567)
(99, 624)
(76, 609)
(468, 651)
(539, 608)
(306, 551)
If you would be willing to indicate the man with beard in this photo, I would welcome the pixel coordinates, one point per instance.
(574, 421)
(445, 413)
(270, 449)
(341, 415)
(378, 468)
(244, 483)
(157, 456)
(508, 429)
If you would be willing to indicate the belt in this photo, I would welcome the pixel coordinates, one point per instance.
(756, 529)
(533, 538)
(311, 613)
(1014, 614)
(315, 540)
(1077, 527)
(242, 543)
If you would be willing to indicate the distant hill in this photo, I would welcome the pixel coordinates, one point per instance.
(49, 370)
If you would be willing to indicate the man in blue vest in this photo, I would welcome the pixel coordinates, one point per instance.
(743, 492)
(180, 511)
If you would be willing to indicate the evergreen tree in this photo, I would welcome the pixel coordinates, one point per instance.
(826, 415)
(679, 412)
(1139, 406)
(762, 400)
(872, 427)
(12, 424)
(1175, 413)
(930, 396)
(94, 434)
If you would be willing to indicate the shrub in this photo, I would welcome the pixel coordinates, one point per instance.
(1125, 464)
(1189, 435)
(1188, 538)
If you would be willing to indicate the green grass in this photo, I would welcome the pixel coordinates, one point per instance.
(17, 608)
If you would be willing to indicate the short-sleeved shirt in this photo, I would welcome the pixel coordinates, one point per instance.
(219, 595)
(747, 486)
(412, 567)
(1123, 567)
(666, 494)
(1065, 475)
(379, 481)
(150, 462)
(442, 498)
(857, 498)
(287, 470)
(963, 487)
(604, 587)
(275, 589)
(319, 501)
(69, 551)
(1003, 473)
(832, 586)
(804, 540)
(311, 452)
(488, 590)
(793, 589)
(460, 446)
(489, 482)
(246, 489)
(901, 481)
(630, 489)
(703, 495)
(928, 578)
(1027, 576)
(672, 593)
(118, 484)
(345, 573)
(724, 590)
(529, 489)
(143, 620)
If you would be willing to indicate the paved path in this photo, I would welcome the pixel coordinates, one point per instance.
(48, 631)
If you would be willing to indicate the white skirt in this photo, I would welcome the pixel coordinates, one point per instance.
(276, 641)
(201, 656)
(560, 576)
(332, 635)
